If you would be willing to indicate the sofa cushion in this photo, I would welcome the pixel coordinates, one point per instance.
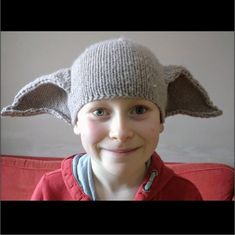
(20, 174)
(214, 180)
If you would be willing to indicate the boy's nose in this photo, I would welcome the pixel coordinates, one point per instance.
(120, 129)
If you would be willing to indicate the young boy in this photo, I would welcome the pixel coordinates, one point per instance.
(117, 96)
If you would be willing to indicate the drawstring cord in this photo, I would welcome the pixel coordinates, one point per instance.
(148, 185)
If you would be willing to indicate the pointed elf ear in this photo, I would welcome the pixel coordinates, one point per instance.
(46, 94)
(186, 95)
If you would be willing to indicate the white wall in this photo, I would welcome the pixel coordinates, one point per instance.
(208, 55)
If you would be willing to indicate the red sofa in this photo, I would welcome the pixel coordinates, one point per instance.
(20, 174)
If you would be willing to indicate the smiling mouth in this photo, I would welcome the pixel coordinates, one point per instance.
(122, 151)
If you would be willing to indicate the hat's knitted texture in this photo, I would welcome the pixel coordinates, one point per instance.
(116, 68)
(111, 69)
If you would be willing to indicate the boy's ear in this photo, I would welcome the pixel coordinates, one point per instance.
(161, 128)
(76, 129)
(46, 94)
(186, 95)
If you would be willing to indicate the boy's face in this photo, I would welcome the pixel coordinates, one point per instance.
(119, 134)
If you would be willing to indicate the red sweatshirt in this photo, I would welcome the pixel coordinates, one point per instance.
(160, 183)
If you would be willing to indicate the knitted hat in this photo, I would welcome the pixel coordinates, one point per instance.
(111, 69)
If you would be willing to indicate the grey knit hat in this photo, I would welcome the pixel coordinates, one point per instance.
(111, 69)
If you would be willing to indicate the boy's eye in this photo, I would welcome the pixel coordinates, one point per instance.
(100, 112)
(140, 109)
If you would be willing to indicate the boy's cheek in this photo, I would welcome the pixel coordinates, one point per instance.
(93, 131)
(154, 135)
(148, 130)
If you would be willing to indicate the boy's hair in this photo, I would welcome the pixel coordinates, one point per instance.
(112, 69)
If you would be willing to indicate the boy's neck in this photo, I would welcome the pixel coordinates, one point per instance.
(117, 187)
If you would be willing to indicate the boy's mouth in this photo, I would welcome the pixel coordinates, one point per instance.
(122, 150)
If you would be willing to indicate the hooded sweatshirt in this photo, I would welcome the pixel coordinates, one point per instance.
(73, 181)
